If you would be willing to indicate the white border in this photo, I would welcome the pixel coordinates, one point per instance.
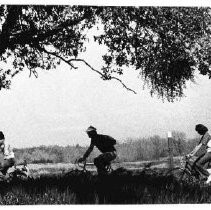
(186, 3)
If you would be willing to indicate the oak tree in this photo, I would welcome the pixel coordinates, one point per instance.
(165, 45)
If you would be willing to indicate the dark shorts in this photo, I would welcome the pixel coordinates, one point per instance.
(7, 163)
(105, 158)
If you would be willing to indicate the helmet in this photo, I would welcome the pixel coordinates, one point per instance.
(90, 129)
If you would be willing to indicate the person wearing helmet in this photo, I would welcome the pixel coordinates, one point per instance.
(9, 157)
(105, 144)
(202, 151)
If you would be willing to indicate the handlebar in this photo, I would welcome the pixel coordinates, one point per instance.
(81, 165)
(188, 159)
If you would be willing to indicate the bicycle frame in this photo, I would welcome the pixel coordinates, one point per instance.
(84, 164)
(81, 165)
(189, 172)
(191, 168)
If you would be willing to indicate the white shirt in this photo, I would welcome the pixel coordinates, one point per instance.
(7, 150)
(209, 146)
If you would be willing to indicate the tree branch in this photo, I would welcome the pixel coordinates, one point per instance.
(69, 62)
(56, 55)
(31, 36)
(103, 76)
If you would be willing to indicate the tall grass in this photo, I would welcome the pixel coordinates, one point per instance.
(120, 187)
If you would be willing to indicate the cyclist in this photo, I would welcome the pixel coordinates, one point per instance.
(203, 147)
(9, 157)
(105, 144)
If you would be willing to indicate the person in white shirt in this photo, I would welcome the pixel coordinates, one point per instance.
(9, 157)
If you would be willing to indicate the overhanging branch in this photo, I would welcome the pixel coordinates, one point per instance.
(103, 76)
(58, 56)
(69, 62)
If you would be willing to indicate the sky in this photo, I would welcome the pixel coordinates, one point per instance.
(58, 106)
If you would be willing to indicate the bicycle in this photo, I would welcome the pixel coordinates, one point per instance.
(87, 168)
(15, 173)
(83, 165)
(79, 169)
(188, 173)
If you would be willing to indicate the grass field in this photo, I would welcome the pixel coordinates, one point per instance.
(64, 184)
(120, 187)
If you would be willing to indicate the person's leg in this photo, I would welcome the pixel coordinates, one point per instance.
(197, 159)
(99, 165)
(201, 163)
(7, 163)
(108, 157)
(5, 166)
(103, 160)
(196, 167)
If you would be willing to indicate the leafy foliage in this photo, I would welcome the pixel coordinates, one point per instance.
(164, 44)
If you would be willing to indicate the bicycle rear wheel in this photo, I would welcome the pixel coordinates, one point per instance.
(180, 174)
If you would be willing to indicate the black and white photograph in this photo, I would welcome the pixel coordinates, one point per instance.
(105, 103)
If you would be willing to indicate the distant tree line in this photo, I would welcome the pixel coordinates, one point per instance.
(139, 149)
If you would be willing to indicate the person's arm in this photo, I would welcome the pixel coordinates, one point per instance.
(88, 151)
(6, 149)
(205, 138)
(195, 150)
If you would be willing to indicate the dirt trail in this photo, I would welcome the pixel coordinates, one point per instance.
(58, 168)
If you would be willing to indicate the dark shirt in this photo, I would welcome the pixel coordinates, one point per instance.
(104, 143)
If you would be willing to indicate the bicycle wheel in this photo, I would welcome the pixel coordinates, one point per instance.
(180, 174)
(171, 171)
